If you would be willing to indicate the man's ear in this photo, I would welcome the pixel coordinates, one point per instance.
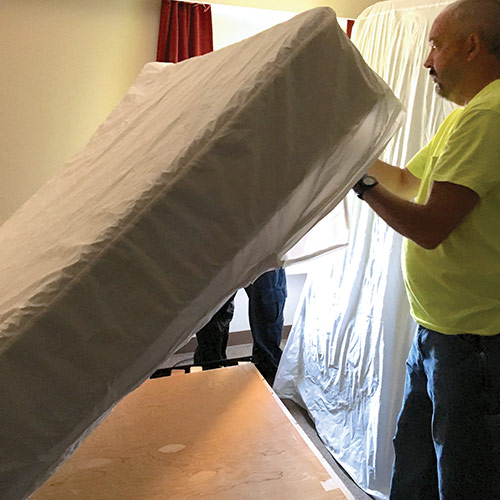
(473, 45)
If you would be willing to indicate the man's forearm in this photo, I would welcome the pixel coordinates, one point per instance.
(397, 180)
(405, 217)
(427, 225)
(389, 191)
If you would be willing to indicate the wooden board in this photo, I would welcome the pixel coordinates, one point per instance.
(218, 434)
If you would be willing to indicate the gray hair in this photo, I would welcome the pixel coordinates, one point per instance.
(482, 17)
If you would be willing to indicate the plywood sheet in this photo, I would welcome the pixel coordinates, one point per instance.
(219, 434)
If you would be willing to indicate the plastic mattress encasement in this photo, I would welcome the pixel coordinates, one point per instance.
(204, 175)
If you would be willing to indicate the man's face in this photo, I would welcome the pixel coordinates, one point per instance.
(446, 57)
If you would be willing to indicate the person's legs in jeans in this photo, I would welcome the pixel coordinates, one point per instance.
(415, 473)
(490, 347)
(212, 338)
(455, 369)
(266, 300)
(452, 369)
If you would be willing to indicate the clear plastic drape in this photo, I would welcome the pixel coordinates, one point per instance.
(345, 357)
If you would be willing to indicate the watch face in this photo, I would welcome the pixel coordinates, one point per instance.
(369, 181)
(364, 184)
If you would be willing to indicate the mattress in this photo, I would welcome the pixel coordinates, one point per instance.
(204, 175)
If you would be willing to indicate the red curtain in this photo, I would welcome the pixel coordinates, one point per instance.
(350, 24)
(185, 31)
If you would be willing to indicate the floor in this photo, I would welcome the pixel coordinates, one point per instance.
(298, 413)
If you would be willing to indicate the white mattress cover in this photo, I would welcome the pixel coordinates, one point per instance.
(201, 178)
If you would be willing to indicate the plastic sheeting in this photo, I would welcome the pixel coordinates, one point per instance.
(345, 358)
(200, 180)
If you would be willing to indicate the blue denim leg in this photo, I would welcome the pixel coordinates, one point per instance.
(212, 338)
(266, 301)
(415, 472)
(442, 443)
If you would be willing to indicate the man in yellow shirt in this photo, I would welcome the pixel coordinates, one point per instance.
(446, 202)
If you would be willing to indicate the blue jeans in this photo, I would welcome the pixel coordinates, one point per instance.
(448, 433)
(266, 301)
(212, 338)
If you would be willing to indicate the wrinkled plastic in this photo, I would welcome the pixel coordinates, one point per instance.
(345, 357)
(201, 179)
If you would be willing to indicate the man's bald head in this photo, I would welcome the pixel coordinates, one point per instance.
(481, 17)
(465, 49)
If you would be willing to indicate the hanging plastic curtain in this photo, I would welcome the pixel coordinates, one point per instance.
(345, 357)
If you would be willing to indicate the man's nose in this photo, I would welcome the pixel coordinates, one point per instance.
(427, 62)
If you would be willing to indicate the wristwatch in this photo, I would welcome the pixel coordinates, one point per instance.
(364, 184)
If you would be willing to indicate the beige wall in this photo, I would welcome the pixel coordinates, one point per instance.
(64, 65)
(343, 8)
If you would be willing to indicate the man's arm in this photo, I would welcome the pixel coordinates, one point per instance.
(427, 225)
(400, 181)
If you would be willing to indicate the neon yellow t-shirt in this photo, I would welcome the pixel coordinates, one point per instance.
(455, 288)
